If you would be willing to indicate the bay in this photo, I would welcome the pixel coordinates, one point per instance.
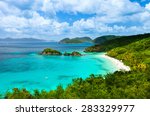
(21, 66)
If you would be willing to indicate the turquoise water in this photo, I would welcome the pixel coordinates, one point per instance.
(23, 67)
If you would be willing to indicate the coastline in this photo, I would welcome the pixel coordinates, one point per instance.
(119, 64)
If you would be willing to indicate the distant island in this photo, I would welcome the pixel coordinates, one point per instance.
(76, 40)
(23, 40)
(97, 40)
(50, 51)
(20, 40)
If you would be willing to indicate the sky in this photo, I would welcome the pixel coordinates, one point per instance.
(57, 19)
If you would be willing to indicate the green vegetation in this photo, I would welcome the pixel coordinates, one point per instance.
(117, 85)
(95, 48)
(49, 51)
(102, 39)
(76, 40)
(74, 53)
(136, 55)
(98, 40)
(134, 51)
(118, 42)
(122, 41)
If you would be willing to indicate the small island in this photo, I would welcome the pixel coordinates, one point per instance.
(49, 51)
(74, 53)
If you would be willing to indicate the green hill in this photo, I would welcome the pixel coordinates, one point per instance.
(76, 40)
(102, 39)
(118, 42)
(134, 51)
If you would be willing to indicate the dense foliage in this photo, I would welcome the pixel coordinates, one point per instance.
(49, 51)
(74, 53)
(117, 42)
(95, 48)
(135, 52)
(136, 55)
(102, 39)
(122, 41)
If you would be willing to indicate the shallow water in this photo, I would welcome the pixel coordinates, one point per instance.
(22, 67)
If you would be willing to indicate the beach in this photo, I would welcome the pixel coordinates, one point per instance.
(119, 64)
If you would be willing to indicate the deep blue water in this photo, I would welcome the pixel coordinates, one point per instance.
(21, 66)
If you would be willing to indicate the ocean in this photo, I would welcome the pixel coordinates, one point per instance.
(21, 66)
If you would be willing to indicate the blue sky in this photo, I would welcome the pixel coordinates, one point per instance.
(57, 19)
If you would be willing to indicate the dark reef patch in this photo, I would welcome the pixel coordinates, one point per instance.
(64, 77)
(25, 82)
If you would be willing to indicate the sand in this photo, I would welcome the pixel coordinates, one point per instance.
(119, 64)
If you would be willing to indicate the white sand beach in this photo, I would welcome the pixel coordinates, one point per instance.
(119, 64)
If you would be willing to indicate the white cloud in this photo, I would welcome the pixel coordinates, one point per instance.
(147, 6)
(38, 17)
(94, 26)
(35, 25)
(108, 7)
(12, 30)
(8, 9)
(20, 3)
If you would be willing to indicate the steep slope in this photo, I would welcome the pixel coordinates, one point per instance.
(118, 42)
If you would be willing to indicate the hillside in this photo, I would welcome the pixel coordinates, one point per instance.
(102, 39)
(134, 51)
(76, 40)
(118, 42)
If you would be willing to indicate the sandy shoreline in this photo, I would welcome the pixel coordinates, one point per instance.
(119, 64)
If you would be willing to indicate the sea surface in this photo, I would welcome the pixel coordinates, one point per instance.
(21, 66)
